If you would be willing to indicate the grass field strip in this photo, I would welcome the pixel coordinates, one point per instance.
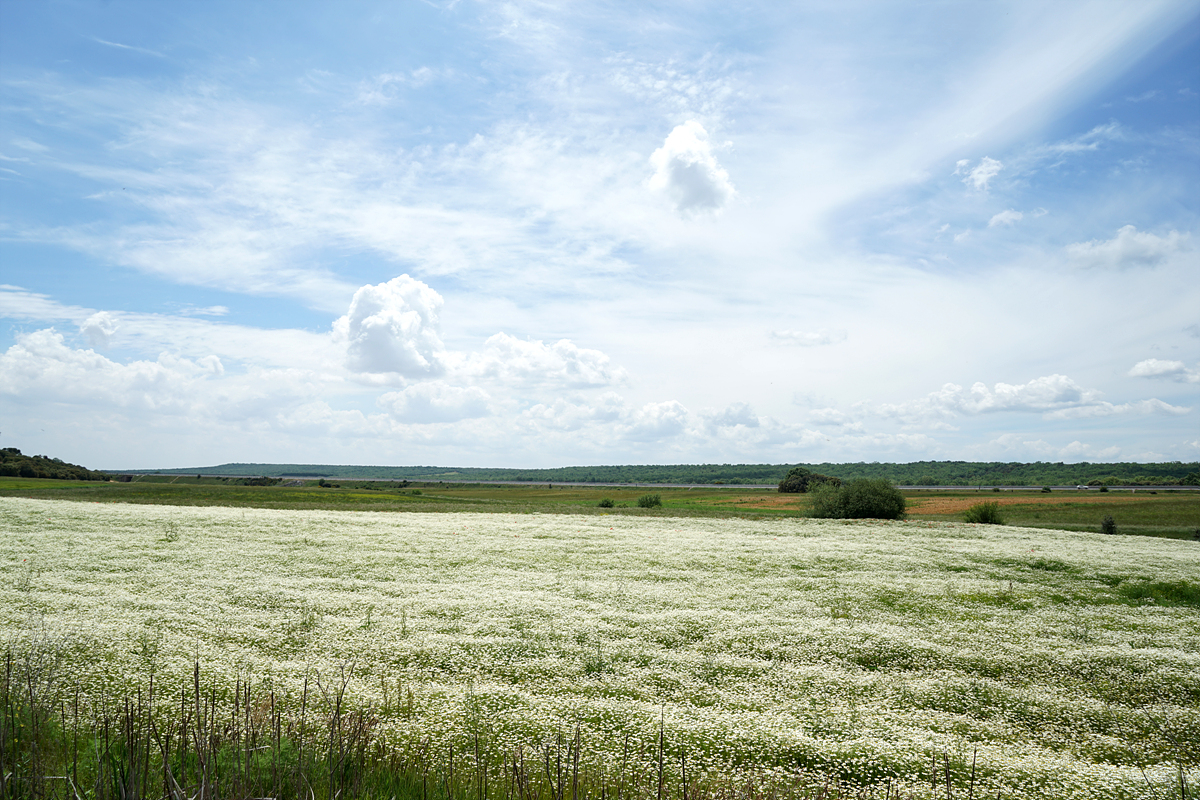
(1057, 662)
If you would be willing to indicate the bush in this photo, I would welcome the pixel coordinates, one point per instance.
(606, 503)
(864, 498)
(1108, 525)
(800, 480)
(1046, 490)
(984, 513)
(1103, 488)
(650, 501)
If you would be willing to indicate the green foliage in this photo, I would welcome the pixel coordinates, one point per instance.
(1167, 593)
(941, 473)
(984, 513)
(1103, 488)
(1046, 490)
(650, 501)
(1191, 479)
(800, 480)
(261, 481)
(14, 463)
(606, 503)
(1108, 525)
(865, 498)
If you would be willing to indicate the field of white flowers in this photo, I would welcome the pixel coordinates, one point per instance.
(1050, 664)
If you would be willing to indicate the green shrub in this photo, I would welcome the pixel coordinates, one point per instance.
(1046, 490)
(1103, 488)
(864, 498)
(984, 513)
(800, 480)
(650, 501)
(606, 503)
(995, 488)
(1108, 525)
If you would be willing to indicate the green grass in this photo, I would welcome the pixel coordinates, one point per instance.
(1166, 514)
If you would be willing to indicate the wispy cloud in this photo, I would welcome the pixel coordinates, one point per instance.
(129, 47)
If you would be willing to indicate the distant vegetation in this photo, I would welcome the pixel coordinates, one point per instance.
(800, 480)
(862, 498)
(984, 514)
(917, 473)
(15, 464)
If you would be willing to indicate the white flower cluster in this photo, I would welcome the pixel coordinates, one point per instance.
(878, 651)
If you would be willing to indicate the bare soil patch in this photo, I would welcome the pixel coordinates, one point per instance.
(957, 505)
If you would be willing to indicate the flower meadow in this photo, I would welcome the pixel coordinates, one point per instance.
(887, 659)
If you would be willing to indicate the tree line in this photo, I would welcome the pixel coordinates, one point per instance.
(13, 463)
(917, 473)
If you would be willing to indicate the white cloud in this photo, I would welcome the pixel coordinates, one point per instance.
(1129, 248)
(687, 171)
(1054, 396)
(393, 328)
(99, 328)
(1040, 394)
(509, 359)
(657, 421)
(1009, 217)
(436, 401)
(41, 368)
(732, 416)
(981, 175)
(1106, 409)
(834, 418)
(1157, 368)
(809, 338)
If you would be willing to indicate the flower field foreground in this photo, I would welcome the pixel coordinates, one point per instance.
(920, 657)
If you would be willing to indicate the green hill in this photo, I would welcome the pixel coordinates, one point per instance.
(918, 473)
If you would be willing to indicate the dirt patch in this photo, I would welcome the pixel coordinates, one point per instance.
(957, 505)
(767, 501)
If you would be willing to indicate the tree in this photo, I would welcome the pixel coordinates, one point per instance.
(800, 480)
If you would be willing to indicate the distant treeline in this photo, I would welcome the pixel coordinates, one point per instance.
(917, 473)
(13, 463)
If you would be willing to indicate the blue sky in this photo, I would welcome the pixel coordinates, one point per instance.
(543, 234)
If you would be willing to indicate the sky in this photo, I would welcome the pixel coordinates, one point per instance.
(538, 234)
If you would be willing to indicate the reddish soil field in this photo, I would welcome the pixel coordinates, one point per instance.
(956, 505)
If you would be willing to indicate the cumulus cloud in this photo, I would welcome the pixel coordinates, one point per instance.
(688, 172)
(1129, 248)
(1172, 370)
(655, 421)
(436, 401)
(40, 367)
(732, 416)
(809, 338)
(563, 363)
(1106, 409)
(1053, 396)
(834, 418)
(393, 328)
(99, 328)
(981, 174)
(1009, 217)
